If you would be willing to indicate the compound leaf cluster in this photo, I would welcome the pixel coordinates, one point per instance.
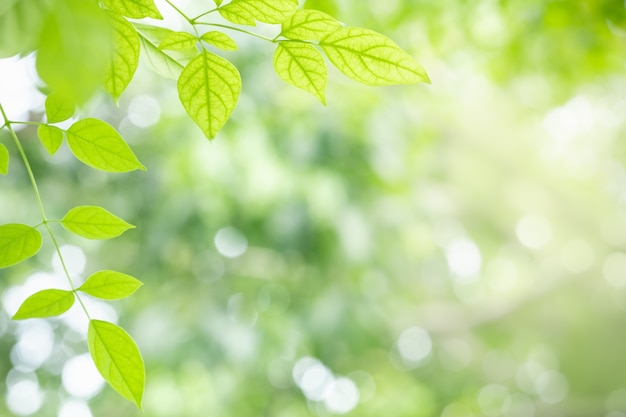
(84, 45)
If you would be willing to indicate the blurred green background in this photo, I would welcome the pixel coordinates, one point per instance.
(453, 250)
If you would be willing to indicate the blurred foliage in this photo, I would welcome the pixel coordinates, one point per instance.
(485, 212)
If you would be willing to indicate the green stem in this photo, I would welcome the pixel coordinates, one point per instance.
(238, 30)
(203, 14)
(190, 21)
(26, 123)
(44, 220)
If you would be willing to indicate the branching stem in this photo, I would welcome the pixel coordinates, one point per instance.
(44, 220)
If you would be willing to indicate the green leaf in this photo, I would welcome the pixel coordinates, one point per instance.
(371, 58)
(303, 66)
(74, 48)
(327, 6)
(219, 40)
(218, 3)
(125, 59)
(4, 160)
(208, 88)
(160, 62)
(110, 285)
(308, 24)
(245, 12)
(178, 41)
(135, 9)
(46, 303)
(97, 144)
(21, 22)
(18, 242)
(93, 222)
(118, 359)
(51, 137)
(58, 109)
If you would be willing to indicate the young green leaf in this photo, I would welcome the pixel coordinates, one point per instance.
(208, 88)
(18, 34)
(51, 137)
(4, 160)
(125, 59)
(245, 12)
(306, 24)
(93, 222)
(118, 359)
(110, 285)
(218, 3)
(74, 48)
(97, 144)
(326, 6)
(219, 40)
(18, 242)
(135, 9)
(160, 62)
(177, 41)
(46, 303)
(371, 58)
(58, 109)
(301, 65)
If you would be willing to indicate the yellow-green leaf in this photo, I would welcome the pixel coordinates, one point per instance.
(135, 9)
(51, 137)
(58, 108)
(219, 40)
(301, 65)
(93, 222)
(177, 41)
(245, 12)
(4, 160)
(306, 24)
(21, 22)
(118, 359)
(209, 88)
(18, 242)
(371, 58)
(160, 62)
(74, 49)
(110, 285)
(46, 303)
(97, 144)
(125, 59)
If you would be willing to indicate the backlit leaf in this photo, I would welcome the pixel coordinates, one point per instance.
(136, 9)
(46, 303)
(110, 285)
(179, 41)
(20, 25)
(118, 359)
(303, 66)
(93, 222)
(58, 109)
(74, 49)
(97, 144)
(18, 242)
(327, 6)
(219, 40)
(51, 137)
(245, 12)
(371, 58)
(308, 24)
(125, 59)
(4, 160)
(160, 62)
(218, 2)
(208, 88)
